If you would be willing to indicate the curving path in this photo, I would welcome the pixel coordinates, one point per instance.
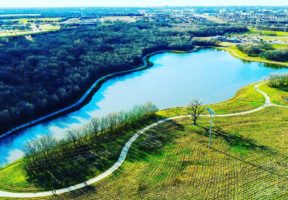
(124, 153)
(266, 104)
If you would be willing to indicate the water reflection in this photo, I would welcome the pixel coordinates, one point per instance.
(210, 75)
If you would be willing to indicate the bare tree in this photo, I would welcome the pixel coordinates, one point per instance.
(195, 109)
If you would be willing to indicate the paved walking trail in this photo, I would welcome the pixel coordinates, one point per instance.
(124, 153)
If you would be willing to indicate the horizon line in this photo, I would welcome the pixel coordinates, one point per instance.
(145, 6)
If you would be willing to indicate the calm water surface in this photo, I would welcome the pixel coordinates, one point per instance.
(209, 75)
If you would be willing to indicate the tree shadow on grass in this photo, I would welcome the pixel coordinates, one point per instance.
(263, 157)
(70, 171)
(76, 164)
(76, 194)
(154, 140)
(234, 140)
(90, 159)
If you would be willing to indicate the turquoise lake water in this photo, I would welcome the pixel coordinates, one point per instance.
(210, 75)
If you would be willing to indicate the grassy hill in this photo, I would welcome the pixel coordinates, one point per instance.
(248, 158)
(247, 161)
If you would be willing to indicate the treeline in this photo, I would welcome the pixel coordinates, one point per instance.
(213, 30)
(279, 81)
(264, 50)
(276, 55)
(254, 50)
(204, 43)
(43, 73)
(53, 164)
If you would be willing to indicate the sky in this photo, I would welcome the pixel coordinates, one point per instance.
(136, 3)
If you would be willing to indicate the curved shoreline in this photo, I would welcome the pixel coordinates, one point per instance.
(233, 53)
(84, 99)
(125, 150)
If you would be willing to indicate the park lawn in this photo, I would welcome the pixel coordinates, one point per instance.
(49, 27)
(267, 32)
(280, 46)
(43, 29)
(277, 96)
(245, 99)
(183, 158)
(234, 51)
(247, 161)
(13, 177)
(244, 163)
(272, 38)
(43, 19)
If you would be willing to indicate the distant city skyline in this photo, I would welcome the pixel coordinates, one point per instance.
(138, 3)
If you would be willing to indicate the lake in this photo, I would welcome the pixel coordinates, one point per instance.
(176, 78)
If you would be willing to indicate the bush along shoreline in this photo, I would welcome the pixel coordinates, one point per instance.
(279, 82)
(264, 50)
(98, 144)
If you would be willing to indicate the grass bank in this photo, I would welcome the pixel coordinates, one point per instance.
(267, 32)
(234, 51)
(247, 161)
(82, 154)
(161, 140)
(277, 96)
(245, 99)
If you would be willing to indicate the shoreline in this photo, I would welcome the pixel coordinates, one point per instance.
(234, 53)
(125, 150)
(86, 97)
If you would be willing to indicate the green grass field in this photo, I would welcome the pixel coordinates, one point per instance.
(14, 177)
(42, 29)
(43, 19)
(272, 38)
(45, 25)
(234, 51)
(277, 96)
(267, 32)
(247, 160)
(245, 99)
(81, 164)
(280, 46)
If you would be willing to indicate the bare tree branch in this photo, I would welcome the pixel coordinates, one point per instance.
(195, 109)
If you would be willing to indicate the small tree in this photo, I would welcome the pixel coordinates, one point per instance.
(195, 109)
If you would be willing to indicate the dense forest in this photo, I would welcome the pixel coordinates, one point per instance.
(45, 72)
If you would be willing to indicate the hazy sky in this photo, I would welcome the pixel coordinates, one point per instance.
(77, 3)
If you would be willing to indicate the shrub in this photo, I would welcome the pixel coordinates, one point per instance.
(279, 81)
(254, 49)
(47, 149)
(276, 55)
